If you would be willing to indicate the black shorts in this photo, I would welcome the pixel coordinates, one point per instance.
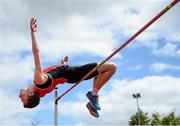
(75, 73)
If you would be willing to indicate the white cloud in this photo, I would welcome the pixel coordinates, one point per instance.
(15, 44)
(169, 49)
(135, 68)
(77, 31)
(160, 67)
(118, 104)
(78, 34)
(13, 15)
(165, 28)
(15, 71)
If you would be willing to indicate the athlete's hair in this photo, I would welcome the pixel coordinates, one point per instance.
(33, 100)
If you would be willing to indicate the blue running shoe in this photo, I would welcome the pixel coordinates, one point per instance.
(92, 110)
(93, 100)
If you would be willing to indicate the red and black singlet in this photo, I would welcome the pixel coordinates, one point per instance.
(54, 74)
(60, 74)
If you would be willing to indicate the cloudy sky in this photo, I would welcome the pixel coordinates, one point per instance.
(88, 31)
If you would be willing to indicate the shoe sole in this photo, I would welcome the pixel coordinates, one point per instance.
(88, 105)
(92, 103)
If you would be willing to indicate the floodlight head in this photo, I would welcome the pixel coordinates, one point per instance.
(134, 95)
(138, 95)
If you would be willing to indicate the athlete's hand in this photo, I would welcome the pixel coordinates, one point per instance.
(33, 25)
(64, 60)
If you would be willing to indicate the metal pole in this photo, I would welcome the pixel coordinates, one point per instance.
(139, 119)
(123, 45)
(56, 107)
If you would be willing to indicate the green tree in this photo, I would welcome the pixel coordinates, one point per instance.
(156, 119)
(144, 119)
(171, 119)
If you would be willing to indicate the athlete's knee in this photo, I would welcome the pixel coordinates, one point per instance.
(107, 67)
(112, 66)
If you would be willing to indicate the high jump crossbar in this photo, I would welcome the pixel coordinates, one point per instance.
(174, 2)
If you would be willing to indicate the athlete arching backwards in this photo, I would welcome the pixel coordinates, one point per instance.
(45, 80)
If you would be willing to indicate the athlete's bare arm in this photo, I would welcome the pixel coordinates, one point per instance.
(39, 77)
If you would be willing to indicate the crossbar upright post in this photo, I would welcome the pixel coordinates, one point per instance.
(55, 107)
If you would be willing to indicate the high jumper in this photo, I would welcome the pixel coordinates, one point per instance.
(45, 80)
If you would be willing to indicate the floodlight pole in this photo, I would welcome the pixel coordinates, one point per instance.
(139, 114)
(136, 96)
(55, 107)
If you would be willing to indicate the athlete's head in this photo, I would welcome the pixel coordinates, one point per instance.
(29, 97)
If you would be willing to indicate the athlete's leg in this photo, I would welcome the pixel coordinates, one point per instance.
(105, 73)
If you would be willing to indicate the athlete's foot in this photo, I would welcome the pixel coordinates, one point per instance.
(92, 110)
(93, 100)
